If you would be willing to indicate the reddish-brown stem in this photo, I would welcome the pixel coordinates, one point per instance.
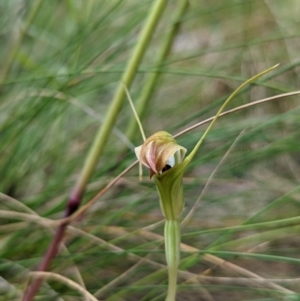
(50, 254)
(73, 204)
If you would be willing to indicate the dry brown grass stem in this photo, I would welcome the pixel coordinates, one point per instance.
(248, 105)
(65, 280)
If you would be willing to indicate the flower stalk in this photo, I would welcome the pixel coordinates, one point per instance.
(172, 250)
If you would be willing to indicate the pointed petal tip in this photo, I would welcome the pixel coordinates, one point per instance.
(152, 173)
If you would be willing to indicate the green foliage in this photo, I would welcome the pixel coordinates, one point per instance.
(61, 62)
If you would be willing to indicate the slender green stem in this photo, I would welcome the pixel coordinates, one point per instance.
(194, 151)
(136, 116)
(149, 87)
(117, 101)
(172, 245)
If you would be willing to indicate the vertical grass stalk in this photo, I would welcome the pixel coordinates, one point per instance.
(149, 87)
(117, 100)
(100, 139)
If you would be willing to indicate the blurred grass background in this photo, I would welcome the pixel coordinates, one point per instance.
(60, 64)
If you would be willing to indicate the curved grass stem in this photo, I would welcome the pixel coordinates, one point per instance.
(197, 146)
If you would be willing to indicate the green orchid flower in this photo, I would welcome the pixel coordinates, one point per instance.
(164, 158)
(166, 161)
